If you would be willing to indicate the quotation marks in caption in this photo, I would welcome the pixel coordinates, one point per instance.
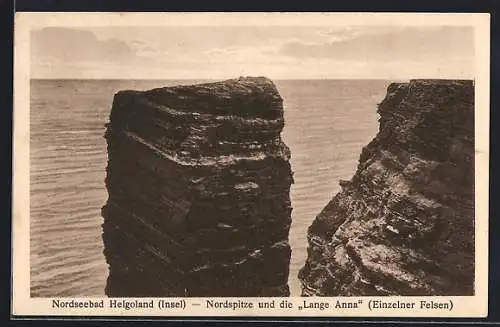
(283, 304)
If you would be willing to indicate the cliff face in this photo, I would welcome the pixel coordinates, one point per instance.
(198, 181)
(404, 224)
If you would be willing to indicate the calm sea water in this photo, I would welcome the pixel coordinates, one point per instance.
(327, 123)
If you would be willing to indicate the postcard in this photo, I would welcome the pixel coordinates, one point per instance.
(251, 164)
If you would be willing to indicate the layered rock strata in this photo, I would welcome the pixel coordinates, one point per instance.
(404, 223)
(198, 179)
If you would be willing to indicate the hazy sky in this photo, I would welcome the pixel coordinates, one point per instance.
(278, 52)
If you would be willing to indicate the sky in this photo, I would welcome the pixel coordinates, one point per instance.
(278, 52)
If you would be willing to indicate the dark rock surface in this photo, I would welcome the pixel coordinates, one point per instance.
(404, 224)
(198, 181)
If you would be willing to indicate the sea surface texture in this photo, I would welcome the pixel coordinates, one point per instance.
(326, 124)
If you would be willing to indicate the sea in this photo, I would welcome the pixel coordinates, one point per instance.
(327, 122)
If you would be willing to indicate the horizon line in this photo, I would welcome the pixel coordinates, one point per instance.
(226, 78)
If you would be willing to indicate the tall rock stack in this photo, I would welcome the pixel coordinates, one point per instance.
(404, 224)
(198, 179)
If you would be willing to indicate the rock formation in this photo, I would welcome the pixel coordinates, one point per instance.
(404, 224)
(198, 179)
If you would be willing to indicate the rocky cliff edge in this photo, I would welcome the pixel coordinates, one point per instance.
(404, 223)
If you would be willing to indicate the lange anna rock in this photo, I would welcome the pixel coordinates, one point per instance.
(198, 179)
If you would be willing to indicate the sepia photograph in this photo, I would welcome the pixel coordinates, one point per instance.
(243, 158)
